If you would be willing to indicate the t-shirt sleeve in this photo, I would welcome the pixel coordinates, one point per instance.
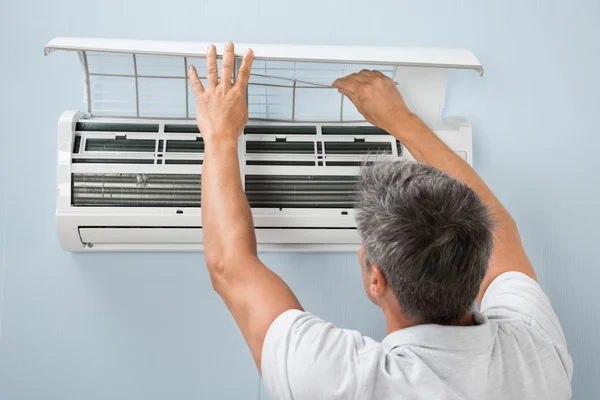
(305, 357)
(515, 296)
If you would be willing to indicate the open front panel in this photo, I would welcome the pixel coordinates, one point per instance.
(290, 83)
(150, 86)
(302, 92)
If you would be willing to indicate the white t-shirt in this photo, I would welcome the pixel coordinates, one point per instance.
(516, 350)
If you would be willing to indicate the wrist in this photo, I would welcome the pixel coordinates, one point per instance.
(406, 125)
(218, 144)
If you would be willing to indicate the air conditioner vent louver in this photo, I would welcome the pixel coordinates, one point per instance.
(77, 144)
(176, 128)
(115, 127)
(295, 191)
(117, 145)
(280, 147)
(280, 130)
(136, 190)
(352, 130)
(184, 162)
(112, 161)
(185, 146)
(295, 163)
(358, 148)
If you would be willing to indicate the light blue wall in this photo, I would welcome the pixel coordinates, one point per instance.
(148, 326)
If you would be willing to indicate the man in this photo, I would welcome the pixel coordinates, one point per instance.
(433, 243)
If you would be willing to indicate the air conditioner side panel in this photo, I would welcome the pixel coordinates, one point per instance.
(68, 235)
(458, 138)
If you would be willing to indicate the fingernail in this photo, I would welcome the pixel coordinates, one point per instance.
(249, 51)
(228, 45)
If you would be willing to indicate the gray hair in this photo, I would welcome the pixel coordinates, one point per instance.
(429, 234)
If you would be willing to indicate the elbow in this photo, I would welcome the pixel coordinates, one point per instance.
(223, 267)
(505, 221)
(216, 266)
(225, 254)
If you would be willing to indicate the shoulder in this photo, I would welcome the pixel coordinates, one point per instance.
(304, 356)
(523, 314)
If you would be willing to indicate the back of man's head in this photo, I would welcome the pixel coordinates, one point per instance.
(429, 234)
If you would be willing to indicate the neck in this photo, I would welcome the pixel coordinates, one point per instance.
(394, 321)
(397, 322)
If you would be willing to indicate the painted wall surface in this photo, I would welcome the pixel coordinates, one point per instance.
(148, 326)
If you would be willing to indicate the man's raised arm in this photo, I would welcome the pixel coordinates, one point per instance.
(253, 293)
(378, 99)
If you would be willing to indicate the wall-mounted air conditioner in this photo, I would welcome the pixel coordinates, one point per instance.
(130, 164)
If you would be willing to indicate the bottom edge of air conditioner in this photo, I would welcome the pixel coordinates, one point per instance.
(191, 238)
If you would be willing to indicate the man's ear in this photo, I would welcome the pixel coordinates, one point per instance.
(377, 282)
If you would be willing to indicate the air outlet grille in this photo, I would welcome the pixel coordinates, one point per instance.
(174, 190)
(305, 191)
(136, 190)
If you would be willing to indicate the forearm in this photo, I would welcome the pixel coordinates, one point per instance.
(226, 217)
(426, 147)
(253, 293)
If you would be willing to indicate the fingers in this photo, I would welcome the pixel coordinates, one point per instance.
(353, 97)
(212, 73)
(353, 81)
(227, 67)
(349, 88)
(197, 86)
(244, 72)
(347, 85)
(364, 76)
(368, 72)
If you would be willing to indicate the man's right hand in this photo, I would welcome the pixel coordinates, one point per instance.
(376, 98)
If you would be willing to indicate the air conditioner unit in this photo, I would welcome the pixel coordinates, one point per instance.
(130, 164)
